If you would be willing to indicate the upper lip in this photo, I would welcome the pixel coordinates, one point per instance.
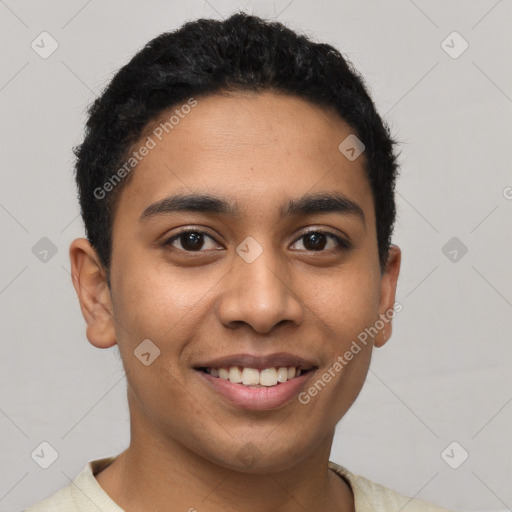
(261, 362)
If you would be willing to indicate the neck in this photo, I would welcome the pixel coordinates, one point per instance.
(155, 471)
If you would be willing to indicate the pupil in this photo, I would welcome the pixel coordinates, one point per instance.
(318, 241)
(192, 241)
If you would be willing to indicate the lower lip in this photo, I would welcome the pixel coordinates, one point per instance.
(257, 398)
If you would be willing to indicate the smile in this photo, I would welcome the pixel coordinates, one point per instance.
(256, 382)
(252, 377)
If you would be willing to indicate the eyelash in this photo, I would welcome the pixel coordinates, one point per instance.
(343, 245)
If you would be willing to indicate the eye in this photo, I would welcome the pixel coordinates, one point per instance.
(192, 241)
(321, 241)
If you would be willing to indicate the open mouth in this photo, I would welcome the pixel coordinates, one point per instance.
(252, 377)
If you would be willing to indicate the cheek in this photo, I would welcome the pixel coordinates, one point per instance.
(346, 303)
(151, 299)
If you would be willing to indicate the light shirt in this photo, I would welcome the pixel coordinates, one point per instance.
(86, 495)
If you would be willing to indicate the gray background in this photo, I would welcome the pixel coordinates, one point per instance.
(445, 374)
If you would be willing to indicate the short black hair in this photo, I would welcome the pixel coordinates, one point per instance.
(206, 57)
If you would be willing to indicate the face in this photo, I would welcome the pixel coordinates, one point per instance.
(245, 247)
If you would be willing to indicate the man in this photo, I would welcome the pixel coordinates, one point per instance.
(237, 189)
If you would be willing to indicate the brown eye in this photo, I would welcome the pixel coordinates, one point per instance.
(315, 241)
(320, 241)
(191, 241)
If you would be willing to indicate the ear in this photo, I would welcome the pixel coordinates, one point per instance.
(90, 282)
(387, 294)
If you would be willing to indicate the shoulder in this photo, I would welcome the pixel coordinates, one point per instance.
(371, 496)
(84, 494)
(61, 501)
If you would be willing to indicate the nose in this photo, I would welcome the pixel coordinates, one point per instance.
(258, 294)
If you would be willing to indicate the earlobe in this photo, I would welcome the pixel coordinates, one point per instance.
(90, 283)
(387, 295)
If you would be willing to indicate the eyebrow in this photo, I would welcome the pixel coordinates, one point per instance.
(320, 203)
(203, 203)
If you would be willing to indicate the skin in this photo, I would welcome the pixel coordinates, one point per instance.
(259, 150)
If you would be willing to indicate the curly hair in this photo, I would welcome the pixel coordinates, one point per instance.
(205, 57)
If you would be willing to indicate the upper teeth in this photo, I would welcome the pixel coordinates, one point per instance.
(254, 377)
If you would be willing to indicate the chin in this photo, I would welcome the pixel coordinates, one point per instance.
(260, 456)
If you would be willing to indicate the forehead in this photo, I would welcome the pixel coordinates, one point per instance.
(255, 149)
